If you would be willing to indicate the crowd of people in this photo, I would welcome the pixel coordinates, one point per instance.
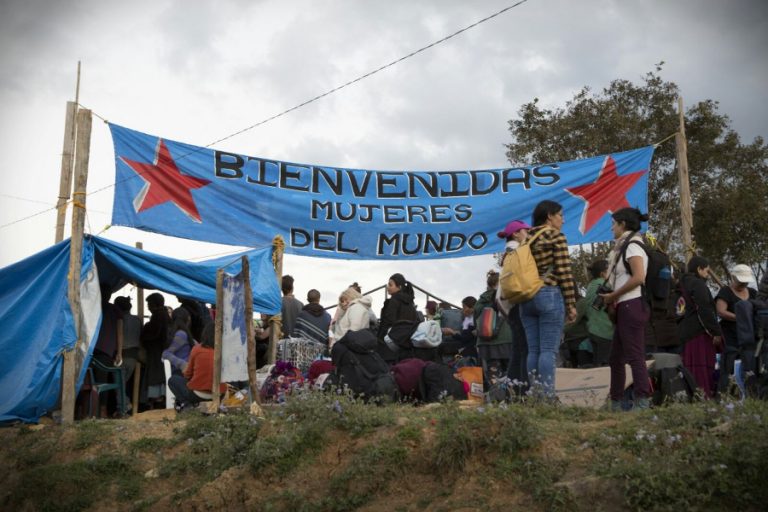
(610, 325)
(181, 336)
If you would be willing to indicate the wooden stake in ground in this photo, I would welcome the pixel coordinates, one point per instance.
(253, 388)
(217, 343)
(71, 368)
(276, 321)
(684, 183)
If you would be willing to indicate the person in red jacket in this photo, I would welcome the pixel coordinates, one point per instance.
(196, 383)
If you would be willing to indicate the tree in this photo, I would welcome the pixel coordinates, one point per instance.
(729, 180)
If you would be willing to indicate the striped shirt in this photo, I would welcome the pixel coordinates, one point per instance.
(550, 250)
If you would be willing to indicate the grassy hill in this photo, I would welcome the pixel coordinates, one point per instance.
(329, 452)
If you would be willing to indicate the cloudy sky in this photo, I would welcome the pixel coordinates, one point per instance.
(197, 71)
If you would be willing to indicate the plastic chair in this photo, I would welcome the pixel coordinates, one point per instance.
(170, 398)
(117, 385)
(87, 398)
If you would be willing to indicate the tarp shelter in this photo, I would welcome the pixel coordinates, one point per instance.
(36, 322)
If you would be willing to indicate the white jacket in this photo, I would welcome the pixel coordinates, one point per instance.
(356, 317)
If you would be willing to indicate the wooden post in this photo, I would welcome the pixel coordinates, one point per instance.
(685, 190)
(67, 155)
(253, 388)
(65, 179)
(70, 368)
(217, 342)
(137, 370)
(140, 293)
(276, 321)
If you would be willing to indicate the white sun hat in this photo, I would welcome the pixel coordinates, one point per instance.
(742, 273)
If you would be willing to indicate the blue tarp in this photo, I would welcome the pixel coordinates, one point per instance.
(186, 279)
(36, 323)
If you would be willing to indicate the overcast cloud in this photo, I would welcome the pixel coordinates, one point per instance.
(198, 71)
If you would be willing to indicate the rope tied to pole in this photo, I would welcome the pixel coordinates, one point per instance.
(665, 139)
(278, 245)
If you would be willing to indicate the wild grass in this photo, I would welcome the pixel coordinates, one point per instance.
(693, 456)
(213, 444)
(461, 433)
(91, 432)
(704, 456)
(77, 485)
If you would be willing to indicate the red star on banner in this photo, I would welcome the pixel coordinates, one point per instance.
(164, 182)
(607, 194)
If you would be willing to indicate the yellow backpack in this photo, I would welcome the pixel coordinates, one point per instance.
(519, 279)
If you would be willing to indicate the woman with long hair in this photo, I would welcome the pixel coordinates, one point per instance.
(628, 264)
(543, 316)
(399, 306)
(354, 313)
(699, 330)
(177, 351)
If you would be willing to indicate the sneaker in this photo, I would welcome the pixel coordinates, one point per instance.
(642, 404)
(616, 406)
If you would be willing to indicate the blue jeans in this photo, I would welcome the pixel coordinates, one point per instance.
(543, 319)
(517, 369)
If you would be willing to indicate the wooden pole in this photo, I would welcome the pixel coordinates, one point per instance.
(137, 370)
(140, 293)
(217, 338)
(276, 321)
(65, 179)
(685, 190)
(67, 155)
(71, 367)
(253, 388)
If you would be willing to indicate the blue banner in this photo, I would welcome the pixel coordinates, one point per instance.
(331, 212)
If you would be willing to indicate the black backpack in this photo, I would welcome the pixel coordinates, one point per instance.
(361, 369)
(672, 382)
(437, 383)
(658, 286)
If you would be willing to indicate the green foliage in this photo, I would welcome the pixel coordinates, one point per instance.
(581, 259)
(77, 485)
(460, 434)
(539, 476)
(31, 449)
(702, 456)
(729, 179)
(294, 444)
(214, 443)
(339, 410)
(410, 433)
(368, 473)
(150, 444)
(89, 433)
(302, 427)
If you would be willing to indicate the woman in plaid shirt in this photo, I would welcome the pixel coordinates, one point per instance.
(544, 315)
